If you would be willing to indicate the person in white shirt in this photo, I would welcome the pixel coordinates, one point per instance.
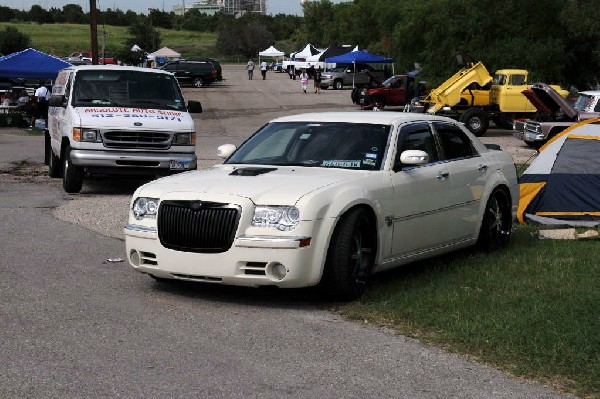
(263, 69)
(250, 69)
(41, 111)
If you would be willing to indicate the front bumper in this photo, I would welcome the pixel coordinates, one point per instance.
(251, 261)
(134, 160)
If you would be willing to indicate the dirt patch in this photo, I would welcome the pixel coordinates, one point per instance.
(24, 171)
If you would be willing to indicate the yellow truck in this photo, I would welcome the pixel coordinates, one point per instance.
(474, 97)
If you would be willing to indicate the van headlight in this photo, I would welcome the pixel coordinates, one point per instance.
(144, 207)
(184, 139)
(283, 218)
(87, 135)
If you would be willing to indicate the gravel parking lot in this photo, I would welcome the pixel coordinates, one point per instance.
(233, 110)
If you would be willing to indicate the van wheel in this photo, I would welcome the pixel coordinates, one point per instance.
(54, 170)
(198, 82)
(72, 174)
(338, 84)
(476, 120)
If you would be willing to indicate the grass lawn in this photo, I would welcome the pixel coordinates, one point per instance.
(62, 39)
(533, 310)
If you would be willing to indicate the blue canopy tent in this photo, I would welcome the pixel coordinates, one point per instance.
(358, 56)
(31, 64)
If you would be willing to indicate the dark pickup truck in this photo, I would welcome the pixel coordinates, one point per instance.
(554, 114)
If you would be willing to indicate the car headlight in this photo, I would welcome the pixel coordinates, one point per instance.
(184, 139)
(284, 218)
(89, 135)
(144, 207)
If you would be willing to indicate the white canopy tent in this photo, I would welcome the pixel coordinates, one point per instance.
(270, 52)
(306, 52)
(165, 52)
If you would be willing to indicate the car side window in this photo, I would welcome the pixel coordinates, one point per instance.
(455, 143)
(417, 136)
(597, 107)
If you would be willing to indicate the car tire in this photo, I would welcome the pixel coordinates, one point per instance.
(198, 82)
(476, 120)
(351, 256)
(54, 169)
(338, 84)
(72, 174)
(496, 224)
(378, 102)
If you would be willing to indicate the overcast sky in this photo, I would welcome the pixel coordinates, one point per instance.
(273, 6)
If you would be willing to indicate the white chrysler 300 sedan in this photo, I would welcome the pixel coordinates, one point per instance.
(325, 198)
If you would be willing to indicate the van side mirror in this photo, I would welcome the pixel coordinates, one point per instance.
(57, 100)
(194, 107)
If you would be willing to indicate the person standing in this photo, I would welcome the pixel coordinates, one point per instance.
(250, 69)
(263, 69)
(304, 80)
(317, 79)
(41, 97)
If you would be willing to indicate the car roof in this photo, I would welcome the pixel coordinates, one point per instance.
(385, 118)
(116, 68)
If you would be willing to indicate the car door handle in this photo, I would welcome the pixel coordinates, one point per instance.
(443, 175)
(483, 168)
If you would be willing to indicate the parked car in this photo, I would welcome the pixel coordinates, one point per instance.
(358, 74)
(195, 73)
(555, 114)
(215, 63)
(85, 57)
(325, 198)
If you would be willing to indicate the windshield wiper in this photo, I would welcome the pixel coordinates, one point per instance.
(98, 101)
(308, 163)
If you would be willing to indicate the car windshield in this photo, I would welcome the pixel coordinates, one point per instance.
(359, 146)
(133, 89)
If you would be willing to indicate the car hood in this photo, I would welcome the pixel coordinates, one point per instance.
(261, 184)
(134, 118)
(548, 100)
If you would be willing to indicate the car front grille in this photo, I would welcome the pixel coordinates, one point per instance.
(137, 140)
(196, 226)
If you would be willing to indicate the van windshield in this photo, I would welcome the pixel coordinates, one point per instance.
(134, 89)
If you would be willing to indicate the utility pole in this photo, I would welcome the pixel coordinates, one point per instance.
(94, 32)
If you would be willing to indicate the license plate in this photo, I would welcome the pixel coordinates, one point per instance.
(178, 165)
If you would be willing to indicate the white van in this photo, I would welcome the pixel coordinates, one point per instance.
(118, 120)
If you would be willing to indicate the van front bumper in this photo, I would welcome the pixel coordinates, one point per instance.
(134, 161)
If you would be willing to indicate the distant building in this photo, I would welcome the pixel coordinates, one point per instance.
(233, 7)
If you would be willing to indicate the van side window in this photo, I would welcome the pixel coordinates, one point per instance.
(68, 88)
(455, 143)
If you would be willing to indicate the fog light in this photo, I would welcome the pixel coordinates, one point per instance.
(134, 257)
(277, 271)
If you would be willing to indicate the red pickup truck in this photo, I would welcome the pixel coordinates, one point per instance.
(397, 90)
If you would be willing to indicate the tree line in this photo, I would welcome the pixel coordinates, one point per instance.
(557, 40)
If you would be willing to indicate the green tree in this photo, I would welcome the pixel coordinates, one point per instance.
(143, 34)
(11, 40)
(74, 14)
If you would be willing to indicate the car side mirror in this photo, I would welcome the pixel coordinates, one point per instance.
(414, 157)
(224, 151)
(194, 107)
(57, 100)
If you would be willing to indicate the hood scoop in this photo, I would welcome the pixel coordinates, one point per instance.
(251, 171)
